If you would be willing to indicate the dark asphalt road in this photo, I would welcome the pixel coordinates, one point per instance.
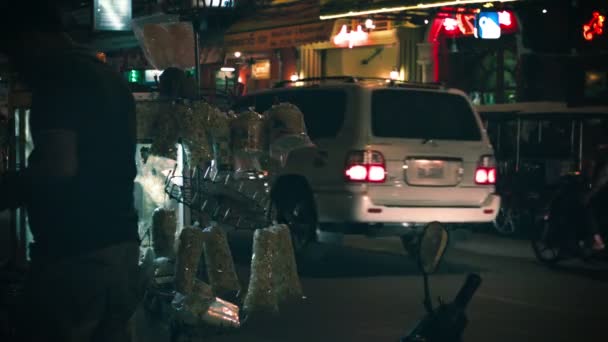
(368, 290)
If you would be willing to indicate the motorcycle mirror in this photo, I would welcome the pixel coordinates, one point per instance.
(433, 244)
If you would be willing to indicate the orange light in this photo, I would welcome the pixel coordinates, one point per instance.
(352, 38)
(102, 57)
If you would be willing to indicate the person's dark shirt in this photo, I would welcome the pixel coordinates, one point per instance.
(74, 91)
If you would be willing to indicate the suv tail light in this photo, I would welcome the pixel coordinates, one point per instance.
(365, 166)
(485, 173)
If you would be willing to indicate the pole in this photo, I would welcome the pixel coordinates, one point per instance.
(427, 294)
(580, 145)
(517, 145)
(197, 71)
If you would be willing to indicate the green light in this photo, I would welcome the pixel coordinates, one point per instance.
(135, 76)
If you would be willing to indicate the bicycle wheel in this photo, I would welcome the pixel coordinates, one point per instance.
(505, 221)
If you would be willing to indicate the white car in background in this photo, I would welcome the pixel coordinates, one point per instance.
(387, 159)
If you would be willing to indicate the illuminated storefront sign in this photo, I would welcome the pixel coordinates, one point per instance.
(277, 38)
(260, 70)
(352, 38)
(487, 25)
(467, 24)
(595, 26)
(112, 15)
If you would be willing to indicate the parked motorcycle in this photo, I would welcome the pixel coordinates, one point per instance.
(445, 323)
(559, 232)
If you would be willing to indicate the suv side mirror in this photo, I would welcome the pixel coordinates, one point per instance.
(433, 244)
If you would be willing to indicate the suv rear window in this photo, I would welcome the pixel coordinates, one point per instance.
(323, 109)
(411, 114)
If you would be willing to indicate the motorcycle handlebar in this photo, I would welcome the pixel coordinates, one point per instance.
(467, 291)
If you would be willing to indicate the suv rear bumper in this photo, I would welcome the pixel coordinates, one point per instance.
(358, 208)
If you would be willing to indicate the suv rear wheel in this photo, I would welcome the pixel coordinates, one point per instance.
(295, 208)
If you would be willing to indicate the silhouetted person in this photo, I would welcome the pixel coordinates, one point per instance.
(596, 198)
(175, 84)
(83, 282)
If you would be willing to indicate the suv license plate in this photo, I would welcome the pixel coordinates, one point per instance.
(433, 170)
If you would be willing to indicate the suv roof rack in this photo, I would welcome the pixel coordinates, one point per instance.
(346, 79)
(357, 79)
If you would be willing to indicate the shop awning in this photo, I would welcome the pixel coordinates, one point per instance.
(279, 27)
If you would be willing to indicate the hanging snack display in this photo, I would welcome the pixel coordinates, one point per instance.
(173, 122)
(164, 225)
(164, 271)
(287, 130)
(248, 132)
(146, 113)
(219, 262)
(220, 129)
(194, 127)
(285, 119)
(261, 295)
(165, 129)
(285, 269)
(189, 253)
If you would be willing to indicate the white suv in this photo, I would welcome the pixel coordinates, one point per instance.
(388, 157)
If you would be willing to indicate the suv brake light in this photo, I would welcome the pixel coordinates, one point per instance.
(485, 174)
(365, 166)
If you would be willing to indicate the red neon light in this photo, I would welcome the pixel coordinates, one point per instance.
(463, 24)
(351, 38)
(595, 26)
(450, 24)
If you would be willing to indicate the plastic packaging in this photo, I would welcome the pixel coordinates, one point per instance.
(193, 130)
(189, 253)
(165, 130)
(164, 224)
(219, 262)
(285, 270)
(193, 310)
(286, 130)
(146, 113)
(165, 41)
(188, 309)
(261, 295)
(183, 121)
(164, 271)
(219, 132)
(285, 119)
(248, 132)
(222, 314)
(202, 289)
(147, 264)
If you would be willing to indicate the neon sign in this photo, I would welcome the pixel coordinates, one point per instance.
(487, 25)
(595, 26)
(352, 38)
(450, 24)
(504, 18)
(463, 24)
